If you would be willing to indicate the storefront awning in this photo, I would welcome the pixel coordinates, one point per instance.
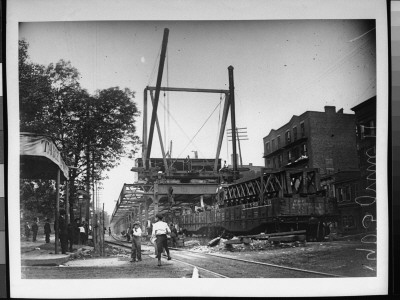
(40, 158)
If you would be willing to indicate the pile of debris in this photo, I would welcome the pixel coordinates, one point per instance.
(256, 242)
(117, 251)
(83, 253)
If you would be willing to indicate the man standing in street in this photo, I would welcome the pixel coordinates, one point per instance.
(27, 230)
(47, 230)
(136, 254)
(160, 231)
(174, 234)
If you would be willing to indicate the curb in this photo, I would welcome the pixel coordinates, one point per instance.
(50, 259)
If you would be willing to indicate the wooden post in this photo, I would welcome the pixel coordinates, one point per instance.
(146, 212)
(222, 130)
(160, 138)
(57, 215)
(157, 95)
(67, 201)
(233, 120)
(144, 145)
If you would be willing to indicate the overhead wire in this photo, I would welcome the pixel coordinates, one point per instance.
(219, 118)
(154, 66)
(191, 140)
(333, 67)
(177, 124)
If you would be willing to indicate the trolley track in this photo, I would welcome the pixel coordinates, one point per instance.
(223, 266)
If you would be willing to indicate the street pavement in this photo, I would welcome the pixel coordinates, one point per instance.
(39, 261)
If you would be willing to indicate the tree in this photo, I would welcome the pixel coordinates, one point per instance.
(92, 132)
(39, 197)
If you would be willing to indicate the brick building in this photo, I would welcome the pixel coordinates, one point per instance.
(324, 140)
(356, 195)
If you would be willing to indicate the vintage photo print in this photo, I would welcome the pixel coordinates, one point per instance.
(246, 140)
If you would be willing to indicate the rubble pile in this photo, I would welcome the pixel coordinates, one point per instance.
(220, 245)
(117, 251)
(192, 243)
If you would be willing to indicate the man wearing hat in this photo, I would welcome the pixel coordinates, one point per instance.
(136, 254)
(160, 231)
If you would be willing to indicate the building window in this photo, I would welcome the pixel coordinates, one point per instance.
(289, 156)
(280, 160)
(278, 139)
(273, 145)
(304, 150)
(267, 148)
(344, 193)
(302, 130)
(373, 128)
(368, 130)
(329, 165)
(268, 163)
(294, 133)
(288, 138)
(295, 153)
(340, 194)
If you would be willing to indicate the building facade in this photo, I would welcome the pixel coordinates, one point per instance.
(324, 140)
(357, 195)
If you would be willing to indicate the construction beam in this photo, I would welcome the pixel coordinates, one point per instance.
(233, 119)
(144, 145)
(222, 130)
(192, 90)
(187, 189)
(160, 137)
(157, 95)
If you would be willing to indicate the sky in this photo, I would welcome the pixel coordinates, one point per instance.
(281, 68)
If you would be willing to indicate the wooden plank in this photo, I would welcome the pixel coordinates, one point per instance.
(287, 233)
(230, 242)
(287, 238)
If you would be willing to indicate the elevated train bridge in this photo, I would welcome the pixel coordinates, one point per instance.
(170, 188)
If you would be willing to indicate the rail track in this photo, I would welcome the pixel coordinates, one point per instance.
(222, 266)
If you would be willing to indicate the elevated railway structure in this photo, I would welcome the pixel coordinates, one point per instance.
(202, 196)
(170, 185)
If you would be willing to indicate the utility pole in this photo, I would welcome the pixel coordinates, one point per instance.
(241, 135)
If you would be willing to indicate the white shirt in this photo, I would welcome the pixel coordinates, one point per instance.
(137, 231)
(160, 227)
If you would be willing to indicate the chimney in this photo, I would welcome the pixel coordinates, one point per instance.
(330, 109)
(340, 111)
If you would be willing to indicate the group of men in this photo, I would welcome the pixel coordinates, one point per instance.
(33, 227)
(159, 237)
(72, 233)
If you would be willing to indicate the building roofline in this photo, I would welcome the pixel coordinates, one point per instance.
(303, 114)
(364, 103)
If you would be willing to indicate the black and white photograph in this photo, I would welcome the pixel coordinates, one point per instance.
(167, 148)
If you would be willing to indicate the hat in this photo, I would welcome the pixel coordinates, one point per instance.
(159, 216)
(136, 223)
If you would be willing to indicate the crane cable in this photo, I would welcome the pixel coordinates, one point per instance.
(191, 140)
(219, 118)
(154, 66)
